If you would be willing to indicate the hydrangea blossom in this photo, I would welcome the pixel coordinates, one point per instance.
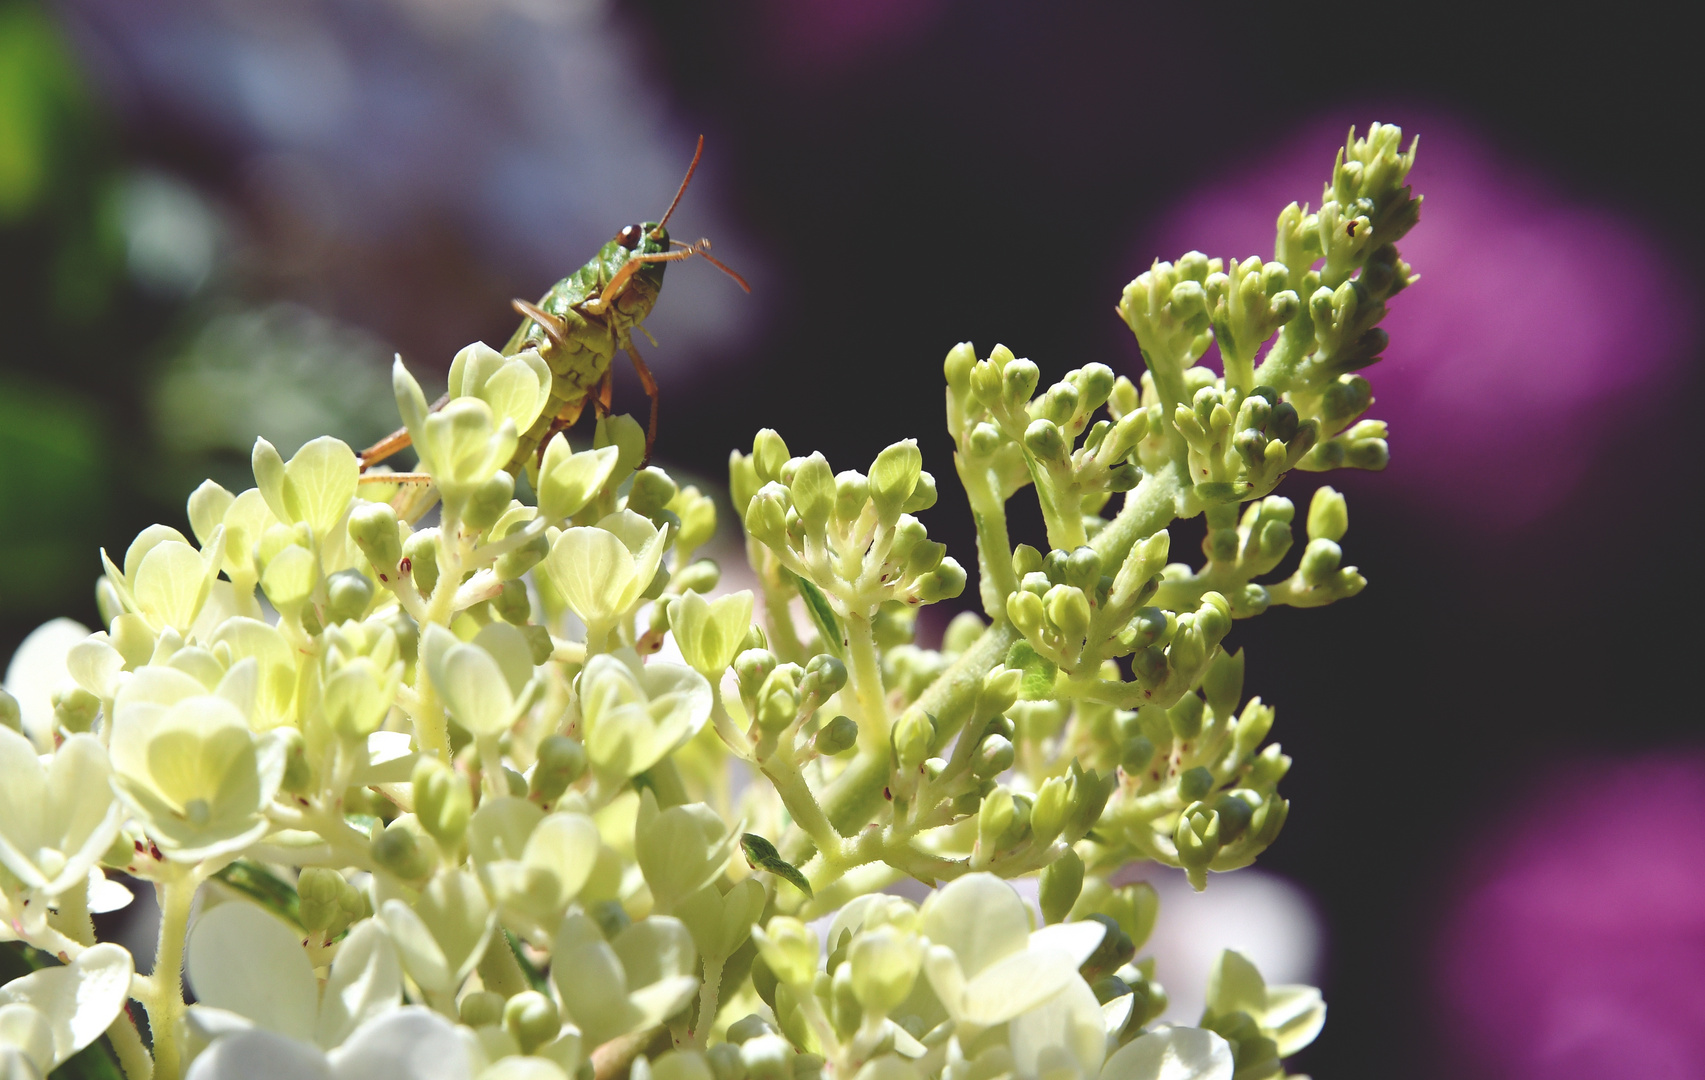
(449, 813)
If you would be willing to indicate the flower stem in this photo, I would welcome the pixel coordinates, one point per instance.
(164, 998)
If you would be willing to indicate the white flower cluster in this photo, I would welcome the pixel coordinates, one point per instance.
(461, 796)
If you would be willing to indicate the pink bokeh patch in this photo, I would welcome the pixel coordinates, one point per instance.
(1577, 953)
(1514, 360)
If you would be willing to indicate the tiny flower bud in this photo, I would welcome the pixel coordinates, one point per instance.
(479, 1008)
(561, 760)
(652, 490)
(852, 491)
(751, 668)
(789, 947)
(373, 527)
(531, 1019)
(813, 491)
(421, 549)
(837, 736)
(993, 757)
(395, 849)
(1068, 610)
(1328, 515)
(348, 592)
(912, 737)
(700, 577)
(10, 714)
(1062, 882)
(443, 801)
(1195, 784)
(1018, 382)
(769, 453)
(1044, 439)
(893, 477)
(824, 675)
(1026, 560)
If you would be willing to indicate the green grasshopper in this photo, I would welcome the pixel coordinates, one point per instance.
(577, 329)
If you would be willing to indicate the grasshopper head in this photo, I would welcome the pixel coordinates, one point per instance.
(650, 238)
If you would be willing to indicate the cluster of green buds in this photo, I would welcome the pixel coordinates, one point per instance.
(477, 772)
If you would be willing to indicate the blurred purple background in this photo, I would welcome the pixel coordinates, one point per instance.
(219, 219)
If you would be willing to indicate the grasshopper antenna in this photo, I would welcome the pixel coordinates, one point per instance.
(684, 182)
(702, 249)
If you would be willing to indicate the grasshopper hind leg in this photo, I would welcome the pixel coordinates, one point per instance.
(650, 384)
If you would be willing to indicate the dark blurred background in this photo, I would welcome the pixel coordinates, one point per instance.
(221, 218)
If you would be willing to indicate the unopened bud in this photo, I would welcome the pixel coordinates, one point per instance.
(1328, 515)
(443, 801)
(836, 737)
(993, 757)
(824, 675)
(531, 1019)
(769, 454)
(373, 527)
(1062, 882)
(396, 850)
(561, 761)
(489, 501)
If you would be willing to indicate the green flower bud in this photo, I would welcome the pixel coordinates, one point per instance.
(75, 709)
(751, 668)
(1186, 717)
(1083, 568)
(1044, 439)
(789, 947)
(561, 761)
(652, 491)
(1195, 784)
(1053, 804)
(912, 738)
(1113, 952)
(1026, 560)
(884, 964)
(836, 737)
(923, 494)
(348, 593)
(813, 491)
(824, 675)
(1068, 610)
(994, 756)
(1000, 689)
(767, 1057)
(514, 606)
(373, 527)
(769, 453)
(531, 1019)
(995, 820)
(298, 774)
(1135, 754)
(1320, 561)
(985, 439)
(766, 516)
(396, 849)
(1089, 794)
(1062, 881)
(1197, 837)
(957, 367)
(1018, 382)
(489, 501)
(852, 491)
(1252, 727)
(421, 550)
(319, 892)
(1328, 516)
(698, 577)
(893, 477)
(443, 801)
(478, 1008)
(943, 583)
(778, 698)
(751, 1026)
(1268, 768)
(10, 714)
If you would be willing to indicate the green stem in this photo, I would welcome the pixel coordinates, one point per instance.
(801, 803)
(127, 1045)
(995, 578)
(707, 1001)
(865, 675)
(165, 996)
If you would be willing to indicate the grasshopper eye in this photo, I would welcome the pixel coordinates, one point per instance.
(630, 237)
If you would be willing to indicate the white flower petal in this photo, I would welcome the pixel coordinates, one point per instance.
(1069, 1022)
(79, 1000)
(410, 1043)
(243, 960)
(980, 917)
(38, 668)
(1174, 1053)
(366, 981)
(259, 1055)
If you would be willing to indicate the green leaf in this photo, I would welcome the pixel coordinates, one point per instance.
(265, 888)
(762, 855)
(1038, 681)
(828, 627)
